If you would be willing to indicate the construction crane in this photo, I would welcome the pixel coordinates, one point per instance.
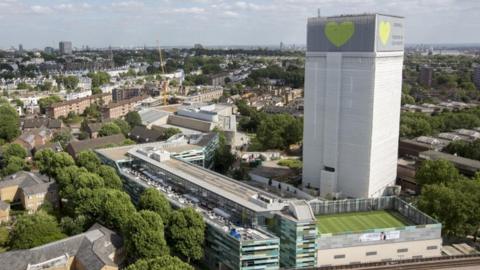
(166, 82)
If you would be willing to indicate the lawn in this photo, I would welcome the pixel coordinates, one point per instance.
(359, 221)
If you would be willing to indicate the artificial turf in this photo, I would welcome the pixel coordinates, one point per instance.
(359, 221)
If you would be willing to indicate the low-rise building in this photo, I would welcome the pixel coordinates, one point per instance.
(119, 94)
(203, 94)
(33, 123)
(75, 147)
(218, 79)
(142, 134)
(121, 108)
(28, 189)
(466, 166)
(34, 138)
(96, 249)
(397, 230)
(76, 106)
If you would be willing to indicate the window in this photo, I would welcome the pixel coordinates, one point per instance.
(432, 247)
(329, 169)
(341, 256)
(402, 250)
(371, 253)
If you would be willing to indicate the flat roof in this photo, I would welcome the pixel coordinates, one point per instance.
(360, 221)
(120, 153)
(225, 187)
(434, 155)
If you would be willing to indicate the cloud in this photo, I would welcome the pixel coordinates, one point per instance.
(128, 5)
(231, 14)
(37, 9)
(192, 10)
(214, 21)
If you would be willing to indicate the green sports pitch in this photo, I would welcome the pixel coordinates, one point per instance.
(359, 221)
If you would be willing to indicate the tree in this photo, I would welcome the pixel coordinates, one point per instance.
(89, 160)
(72, 226)
(133, 119)
(151, 199)
(70, 82)
(128, 142)
(109, 129)
(14, 150)
(46, 102)
(110, 177)
(23, 85)
(110, 207)
(14, 164)
(436, 172)
(10, 123)
(88, 180)
(223, 158)
(123, 125)
(48, 162)
(144, 236)
(169, 132)
(434, 201)
(34, 230)
(62, 137)
(160, 263)
(99, 78)
(186, 233)
(46, 86)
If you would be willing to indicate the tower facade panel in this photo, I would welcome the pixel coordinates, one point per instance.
(353, 78)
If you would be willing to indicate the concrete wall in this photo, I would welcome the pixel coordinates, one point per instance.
(380, 252)
(9, 193)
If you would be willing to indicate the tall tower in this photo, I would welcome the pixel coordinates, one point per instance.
(353, 85)
(65, 47)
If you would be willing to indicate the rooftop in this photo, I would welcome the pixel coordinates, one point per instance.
(360, 221)
(76, 147)
(434, 155)
(240, 193)
(93, 249)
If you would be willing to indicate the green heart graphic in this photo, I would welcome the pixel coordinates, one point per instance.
(384, 32)
(339, 34)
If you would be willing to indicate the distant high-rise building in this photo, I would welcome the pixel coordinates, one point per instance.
(281, 46)
(353, 85)
(20, 48)
(425, 76)
(476, 76)
(49, 50)
(65, 47)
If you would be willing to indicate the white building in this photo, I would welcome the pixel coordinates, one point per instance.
(353, 81)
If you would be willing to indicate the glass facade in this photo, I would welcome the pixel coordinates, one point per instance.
(297, 241)
(224, 250)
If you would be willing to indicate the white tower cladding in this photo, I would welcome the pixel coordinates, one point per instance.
(353, 85)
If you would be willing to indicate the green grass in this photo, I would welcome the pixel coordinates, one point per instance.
(359, 221)
(291, 163)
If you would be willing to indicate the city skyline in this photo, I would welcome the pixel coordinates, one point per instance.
(216, 22)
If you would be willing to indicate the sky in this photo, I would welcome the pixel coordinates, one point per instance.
(101, 23)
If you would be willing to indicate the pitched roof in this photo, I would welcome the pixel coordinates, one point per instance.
(42, 122)
(92, 249)
(94, 127)
(22, 179)
(143, 134)
(76, 147)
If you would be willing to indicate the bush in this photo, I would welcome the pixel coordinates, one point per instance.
(294, 164)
